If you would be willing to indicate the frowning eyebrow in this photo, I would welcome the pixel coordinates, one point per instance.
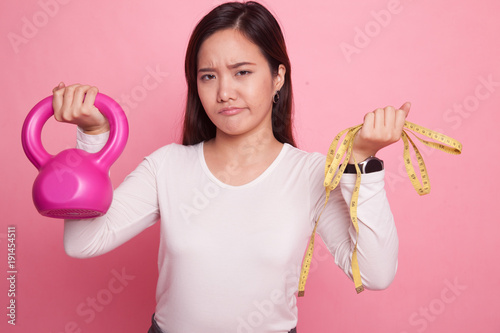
(233, 66)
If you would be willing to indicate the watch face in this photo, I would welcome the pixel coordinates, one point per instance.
(373, 165)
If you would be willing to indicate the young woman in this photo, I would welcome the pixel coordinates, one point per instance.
(237, 201)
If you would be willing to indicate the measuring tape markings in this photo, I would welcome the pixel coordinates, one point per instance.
(334, 171)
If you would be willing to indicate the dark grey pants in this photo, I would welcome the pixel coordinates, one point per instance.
(156, 329)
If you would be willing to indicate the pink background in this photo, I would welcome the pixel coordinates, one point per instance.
(348, 58)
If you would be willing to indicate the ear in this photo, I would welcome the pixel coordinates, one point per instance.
(279, 78)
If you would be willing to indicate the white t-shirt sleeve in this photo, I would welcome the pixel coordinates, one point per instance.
(133, 209)
(377, 241)
(90, 143)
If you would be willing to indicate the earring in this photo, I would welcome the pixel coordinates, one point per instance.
(276, 97)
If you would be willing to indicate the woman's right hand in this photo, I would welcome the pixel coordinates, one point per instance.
(75, 104)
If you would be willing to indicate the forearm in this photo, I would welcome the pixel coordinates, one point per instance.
(133, 209)
(377, 249)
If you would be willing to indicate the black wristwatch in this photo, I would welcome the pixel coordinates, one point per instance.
(371, 164)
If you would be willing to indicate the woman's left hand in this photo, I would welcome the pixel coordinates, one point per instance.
(381, 128)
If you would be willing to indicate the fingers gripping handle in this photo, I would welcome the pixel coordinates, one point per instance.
(31, 135)
(118, 134)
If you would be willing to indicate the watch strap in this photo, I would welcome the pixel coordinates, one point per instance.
(371, 164)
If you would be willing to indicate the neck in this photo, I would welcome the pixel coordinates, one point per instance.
(237, 160)
(249, 148)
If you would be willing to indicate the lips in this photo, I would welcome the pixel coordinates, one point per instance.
(229, 111)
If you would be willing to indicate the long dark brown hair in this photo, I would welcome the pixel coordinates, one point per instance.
(256, 23)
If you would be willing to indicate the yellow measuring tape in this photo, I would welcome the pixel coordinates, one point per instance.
(333, 173)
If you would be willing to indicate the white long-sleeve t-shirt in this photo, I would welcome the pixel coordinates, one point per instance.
(230, 256)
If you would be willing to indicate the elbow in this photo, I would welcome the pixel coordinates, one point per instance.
(380, 284)
(382, 275)
(74, 251)
(382, 280)
(77, 244)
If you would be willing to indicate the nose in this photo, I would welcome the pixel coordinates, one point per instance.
(226, 90)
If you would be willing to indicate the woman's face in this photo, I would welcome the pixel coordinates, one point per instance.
(235, 84)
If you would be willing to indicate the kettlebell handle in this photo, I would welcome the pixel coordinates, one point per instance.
(32, 131)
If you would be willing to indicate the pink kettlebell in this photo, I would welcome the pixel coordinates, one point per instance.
(74, 184)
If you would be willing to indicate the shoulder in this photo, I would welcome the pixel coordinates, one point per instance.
(174, 152)
(311, 160)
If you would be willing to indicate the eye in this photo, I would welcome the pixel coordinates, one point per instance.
(207, 77)
(241, 73)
